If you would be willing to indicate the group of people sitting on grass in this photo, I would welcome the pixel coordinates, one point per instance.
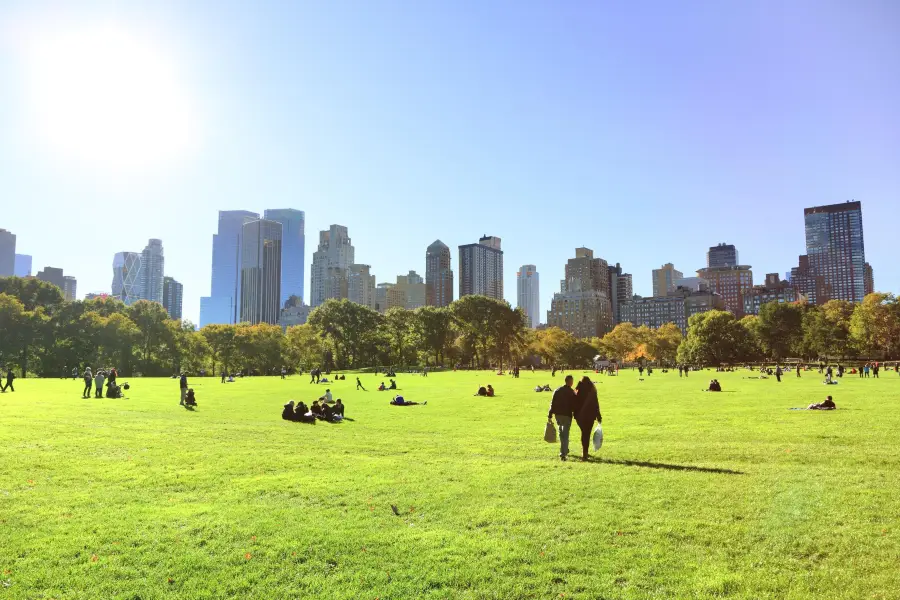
(393, 386)
(486, 391)
(399, 401)
(714, 386)
(323, 411)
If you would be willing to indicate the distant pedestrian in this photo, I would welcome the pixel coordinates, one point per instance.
(88, 383)
(866, 369)
(562, 406)
(183, 384)
(359, 385)
(10, 376)
(798, 370)
(74, 372)
(680, 371)
(223, 376)
(875, 368)
(778, 373)
(283, 372)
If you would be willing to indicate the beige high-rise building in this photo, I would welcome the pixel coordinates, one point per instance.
(481, 268)
(583, 307)
(730, 283)
(414, 287)
(388, 295)
(361, 285)
(335, 252)
(664, 279)
(438, 275)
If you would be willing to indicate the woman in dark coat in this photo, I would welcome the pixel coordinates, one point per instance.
(587, 410)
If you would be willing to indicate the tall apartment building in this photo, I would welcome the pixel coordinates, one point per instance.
(664, 279)
(583, 307)
(528, 294)
(438, 275)
(414, 287)
(173, 296)
(621, 289)
(869, 279)
(126, 283)
(388, 296)
(722, 255)
(223, 305)
(330, 265)
(261, 271)
(836, 249)
(773, 290)
(808, 283)
(293, 248)
(730, 283)
(481, 268)
(152, 271)
(70, 288)
(361, 285)
(58, 278)
(7, 253)
(23, 265)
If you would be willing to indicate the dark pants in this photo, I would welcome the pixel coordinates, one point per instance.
(87, 389)
(587, 428)
(98, 390)
(9, 386)
(778, 376)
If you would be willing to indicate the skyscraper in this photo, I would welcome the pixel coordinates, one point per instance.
(223, 303)
(152, 271)
(361, 285)
(528, 294)
(722, 255)
(664, 279)
(836, 250)
(438, 275)
(261, 271)
(54, 276)
(413, 286)
(330, 264)
(7, 253)
(730, 283)
(23, 265)
(293, 245)
(582, 306)
(481, 268)
(173, 293)
(126, 283)
(621, 289)
(70, 288)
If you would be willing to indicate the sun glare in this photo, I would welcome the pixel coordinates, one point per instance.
(103, 97)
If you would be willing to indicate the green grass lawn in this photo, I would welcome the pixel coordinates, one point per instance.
(693, 495)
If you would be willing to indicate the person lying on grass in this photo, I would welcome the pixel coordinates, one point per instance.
(828, 404)
(399, 401)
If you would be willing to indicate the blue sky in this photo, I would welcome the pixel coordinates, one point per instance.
(647, 131)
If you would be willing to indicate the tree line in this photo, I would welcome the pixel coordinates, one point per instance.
(42, 334)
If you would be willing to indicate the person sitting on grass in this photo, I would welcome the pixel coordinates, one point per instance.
(482, 391)
(829, 380)
(327, 398)
(190, 401)
(316, 409)
(714, 386)
(302, 414)
(399, 401)
(490, 391)
(381, 387)
(339, 408)
(287, 413)
(393, 385)
(828, 404)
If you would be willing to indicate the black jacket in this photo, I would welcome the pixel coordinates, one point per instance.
(563, 402)
(590, 406)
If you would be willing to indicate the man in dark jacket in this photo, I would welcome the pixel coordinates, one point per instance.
(183, 384)
(563, 406)
(10, 376)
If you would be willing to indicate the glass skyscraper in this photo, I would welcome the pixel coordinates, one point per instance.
(836, 251)
(293, 244)
(223, 303)
(261, 271)
(126, 283)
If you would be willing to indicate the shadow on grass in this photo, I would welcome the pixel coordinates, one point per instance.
(668, 467)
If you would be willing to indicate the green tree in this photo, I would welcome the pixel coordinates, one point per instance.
(620, 342)
(304, 346)
(875, 326)
(155, 342)
(668, 338)
(780, 329)
(222, 345)
(714, 338)
(436, 325)
(351, 329)
(399, 325)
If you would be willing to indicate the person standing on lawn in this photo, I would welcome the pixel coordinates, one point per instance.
(587, 410)
(183, 383)
(562, 406)
(88, 382)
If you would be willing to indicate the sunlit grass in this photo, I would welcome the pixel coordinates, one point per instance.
(694, 494)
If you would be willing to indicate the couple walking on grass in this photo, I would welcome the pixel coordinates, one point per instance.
(582, 405)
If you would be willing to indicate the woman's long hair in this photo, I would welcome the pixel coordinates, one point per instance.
(585, 385)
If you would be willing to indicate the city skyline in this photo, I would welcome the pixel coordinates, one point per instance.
(752, 116)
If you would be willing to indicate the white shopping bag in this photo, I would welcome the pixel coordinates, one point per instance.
(598, 437)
